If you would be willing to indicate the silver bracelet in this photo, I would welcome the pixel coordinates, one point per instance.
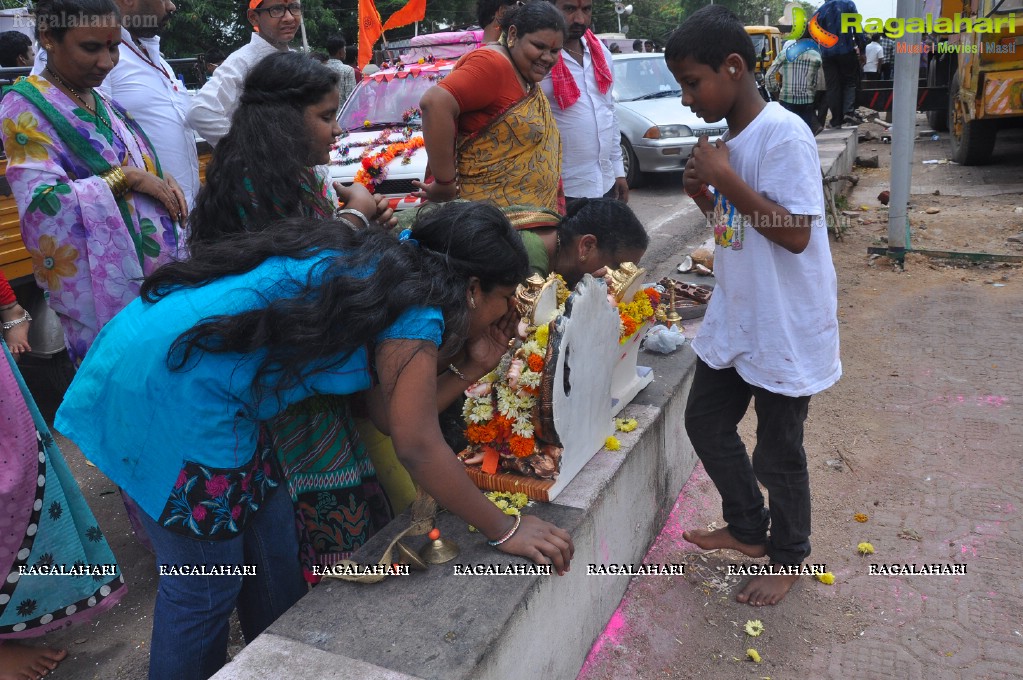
(454, 369)
(352, 211)
(8, 325)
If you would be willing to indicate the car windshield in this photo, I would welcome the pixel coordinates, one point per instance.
(759, 43)
(383, 102)
(646, 78)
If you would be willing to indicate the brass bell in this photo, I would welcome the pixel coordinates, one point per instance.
(408, 556)
(439, 550)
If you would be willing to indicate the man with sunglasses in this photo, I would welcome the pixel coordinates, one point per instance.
(275, 23)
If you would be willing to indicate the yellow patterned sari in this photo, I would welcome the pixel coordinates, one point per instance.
(515, 159)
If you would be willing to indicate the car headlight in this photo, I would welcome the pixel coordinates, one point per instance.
(668, 131)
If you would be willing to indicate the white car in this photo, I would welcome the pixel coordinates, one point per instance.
(382, 118)
(658, 133)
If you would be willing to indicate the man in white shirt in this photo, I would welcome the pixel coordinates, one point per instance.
(579, 89)
(275, 23)
(146, 86)
(874, 59)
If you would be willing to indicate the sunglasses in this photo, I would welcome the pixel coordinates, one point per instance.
(277, 11)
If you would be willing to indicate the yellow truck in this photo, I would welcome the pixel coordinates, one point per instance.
(980, 60)
(767, 42)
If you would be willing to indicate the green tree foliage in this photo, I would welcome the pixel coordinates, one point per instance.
(200, 25)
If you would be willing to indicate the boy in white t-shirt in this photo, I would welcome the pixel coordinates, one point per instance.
(770, 334)
(874, 57)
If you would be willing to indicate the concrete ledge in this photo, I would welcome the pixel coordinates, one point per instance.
(435, 624)
(837, 151)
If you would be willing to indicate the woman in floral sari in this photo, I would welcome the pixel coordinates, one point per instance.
(47, 526)
(97, 213)
(488, 128)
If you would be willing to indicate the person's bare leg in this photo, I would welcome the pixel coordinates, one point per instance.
(21, 662)
(767, 589)
(722, 538)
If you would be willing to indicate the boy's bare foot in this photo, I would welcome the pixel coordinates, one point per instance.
(766, 589)
(722, 538)
(20, 662)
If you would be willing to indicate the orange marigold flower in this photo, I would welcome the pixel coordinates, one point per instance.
(522, 446)
(655, 297)
(502, 427)
(535, 362)
(630, 326)
(478, 434)
(860, 517)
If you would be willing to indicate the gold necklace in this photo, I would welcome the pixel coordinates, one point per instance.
(94, 110)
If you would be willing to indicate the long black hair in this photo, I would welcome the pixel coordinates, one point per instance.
(611, 221)
(259, 167)
(318, 327)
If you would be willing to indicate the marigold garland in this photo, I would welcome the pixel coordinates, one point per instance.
(499, 408)
(636, 313)
(374, 166)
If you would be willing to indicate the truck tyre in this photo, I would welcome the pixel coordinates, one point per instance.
(972, 141)
(633, 175)
(936, 77)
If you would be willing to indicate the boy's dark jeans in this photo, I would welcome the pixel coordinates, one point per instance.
(717, 402)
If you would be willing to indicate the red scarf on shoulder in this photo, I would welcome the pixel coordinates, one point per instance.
(566, 91)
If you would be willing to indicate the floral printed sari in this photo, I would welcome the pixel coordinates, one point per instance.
(515, 159)
(50, 527)
(89, 250)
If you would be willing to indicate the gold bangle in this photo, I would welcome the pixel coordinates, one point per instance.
(117, 181)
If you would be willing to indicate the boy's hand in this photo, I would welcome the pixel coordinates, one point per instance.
(709, 161)
(691, 181)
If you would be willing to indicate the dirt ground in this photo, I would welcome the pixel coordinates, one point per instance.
(921, 435)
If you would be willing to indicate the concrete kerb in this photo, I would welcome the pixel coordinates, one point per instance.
(434, 624)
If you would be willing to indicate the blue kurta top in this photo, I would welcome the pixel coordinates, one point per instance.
(141, 423)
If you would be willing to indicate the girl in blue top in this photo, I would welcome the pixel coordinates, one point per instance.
(185, 376)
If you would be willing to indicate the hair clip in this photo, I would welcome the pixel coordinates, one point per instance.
(406, 235)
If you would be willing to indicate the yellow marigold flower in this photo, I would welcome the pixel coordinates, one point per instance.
(626, 424)
(827, 578)
(612, 443)
(753, 656)
(513, 511)
(51, 262)
(519, 499)
(860, 517)
(23, 140)
(754, 628)
(865, 548)
(542, 333)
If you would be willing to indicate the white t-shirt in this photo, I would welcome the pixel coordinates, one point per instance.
(773, 316)
(873, 57)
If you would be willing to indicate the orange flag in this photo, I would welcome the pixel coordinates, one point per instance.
(413, 11)
(369, 30)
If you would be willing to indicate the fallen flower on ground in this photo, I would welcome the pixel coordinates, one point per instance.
(612, 443)
(754, 628)
(753, 656)
(865, 548)
(860, 517)
(827, 578)
(626, 424)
